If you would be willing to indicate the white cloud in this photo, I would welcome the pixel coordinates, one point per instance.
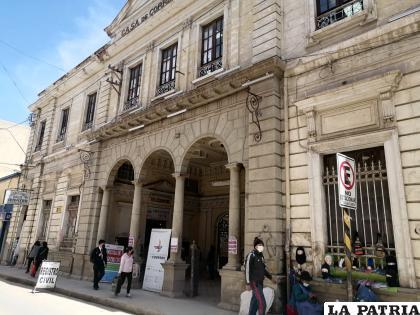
(88, 36)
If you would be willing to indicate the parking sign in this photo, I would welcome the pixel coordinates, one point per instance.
(346, 169)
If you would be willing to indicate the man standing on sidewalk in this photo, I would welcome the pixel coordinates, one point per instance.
(255, 272)
(98, 259)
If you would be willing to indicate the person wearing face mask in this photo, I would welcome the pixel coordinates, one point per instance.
(304, 299)
(255, 272)
(98, 258)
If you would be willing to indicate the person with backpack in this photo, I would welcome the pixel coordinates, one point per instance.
(255, 272)
(125, 271)
(32, 254)
(41, 256)
(98, 258)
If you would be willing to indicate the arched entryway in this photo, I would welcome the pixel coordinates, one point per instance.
(157, 186)
(207, 193)
(117, 205)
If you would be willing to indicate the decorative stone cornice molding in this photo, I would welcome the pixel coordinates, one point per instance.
(371, 97)
(358, 91)
(208, 93)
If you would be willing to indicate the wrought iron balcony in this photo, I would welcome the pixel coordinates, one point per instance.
(87, 125)
(131, 103)
(211, 67)
(61, 136)
(339, 13)
(168, 86)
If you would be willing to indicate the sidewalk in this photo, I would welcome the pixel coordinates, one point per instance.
(141, 302)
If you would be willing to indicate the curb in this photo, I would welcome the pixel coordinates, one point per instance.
(119, 305)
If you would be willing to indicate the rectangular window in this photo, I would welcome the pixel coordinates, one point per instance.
(71, 218)
(371, 223)
(45, 218)
(331, 11)
(40, 135)
(63, 125)
(168, 69)
(90, 111)
(133, 88)
(212, 47)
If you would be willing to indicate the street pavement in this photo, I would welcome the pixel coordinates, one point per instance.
(141, 302)
(19, 300)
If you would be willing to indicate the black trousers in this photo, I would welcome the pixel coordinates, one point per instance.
(98, 273)
(121, 280)
(30, 260)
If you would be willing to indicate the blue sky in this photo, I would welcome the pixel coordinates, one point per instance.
(60, 33)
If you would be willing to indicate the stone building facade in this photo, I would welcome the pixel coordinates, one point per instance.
(219, 120)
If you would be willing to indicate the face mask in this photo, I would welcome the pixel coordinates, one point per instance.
(306, 284)
(260, 248)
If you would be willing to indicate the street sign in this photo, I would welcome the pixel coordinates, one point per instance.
(47, 275)
(346, 170)
(17, 197)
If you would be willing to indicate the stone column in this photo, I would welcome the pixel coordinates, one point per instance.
(174, 268)
(103, 216)
(234, 215)
(136, 219)
(178, 215)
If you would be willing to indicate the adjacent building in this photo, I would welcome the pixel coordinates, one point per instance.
(221, 120)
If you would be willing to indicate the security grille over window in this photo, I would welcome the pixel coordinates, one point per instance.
(71, 220)
(63, 126)
(90, 111)
(212, 47)
(372, 220)
(45, 219)
(167, 70)
(125, 172)
(40, 136)
(133, 88)
(331, 11)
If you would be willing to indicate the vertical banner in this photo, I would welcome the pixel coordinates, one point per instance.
(48, 273)
(158, 254)
(114, 253)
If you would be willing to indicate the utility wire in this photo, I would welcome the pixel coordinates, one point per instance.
(29, 56)
(15, 125)
(14, 83)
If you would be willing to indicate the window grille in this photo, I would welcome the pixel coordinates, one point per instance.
(331, 11)
(133, 88)
(90, 111)
(63, 126)
(167, 70)
(46, 211)
(40, 136)
(212, 47)
(126, 172)
(70, 226)
(373, 215)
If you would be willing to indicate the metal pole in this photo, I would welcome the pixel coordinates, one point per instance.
(347, 244)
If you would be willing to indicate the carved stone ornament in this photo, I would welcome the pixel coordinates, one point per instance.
(310, 122)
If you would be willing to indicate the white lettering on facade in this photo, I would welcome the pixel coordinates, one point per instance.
(155, 9)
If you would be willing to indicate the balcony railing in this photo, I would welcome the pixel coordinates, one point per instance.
(61, 136)
(168, 86)
(87, 125)
(211, 67)
(131, 103)
(339, 13)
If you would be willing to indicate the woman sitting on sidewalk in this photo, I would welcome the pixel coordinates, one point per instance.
(126, 271)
